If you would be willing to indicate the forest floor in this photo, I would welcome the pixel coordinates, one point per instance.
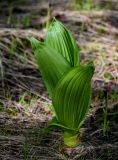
(24, 102)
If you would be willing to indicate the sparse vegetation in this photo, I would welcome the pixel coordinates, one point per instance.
(24, 102)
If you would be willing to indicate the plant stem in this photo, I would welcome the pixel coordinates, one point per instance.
(70, 139)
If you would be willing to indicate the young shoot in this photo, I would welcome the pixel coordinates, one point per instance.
(67, 80)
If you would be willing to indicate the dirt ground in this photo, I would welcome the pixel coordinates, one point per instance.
(24, 101)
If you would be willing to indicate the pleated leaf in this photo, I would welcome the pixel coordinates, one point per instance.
(52, 65)
(60, 38)
(71, 96)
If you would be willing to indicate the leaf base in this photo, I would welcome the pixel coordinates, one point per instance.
(71, 140)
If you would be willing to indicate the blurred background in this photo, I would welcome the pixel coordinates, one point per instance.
(24, 100)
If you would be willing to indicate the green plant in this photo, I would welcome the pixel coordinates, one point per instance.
(26, 21)
(1, 107)
(26, 150)
(68, 82)
(13, 47)
(85, 4)
(9, 19)
(12, 110)
(100, 29)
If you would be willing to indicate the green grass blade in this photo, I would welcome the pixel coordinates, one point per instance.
(60, 38)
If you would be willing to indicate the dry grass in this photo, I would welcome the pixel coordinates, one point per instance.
(24, 102)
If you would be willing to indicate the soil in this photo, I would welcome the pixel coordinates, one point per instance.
(24, 101)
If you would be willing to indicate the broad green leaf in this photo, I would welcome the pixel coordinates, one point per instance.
(72, 96)
(60, 38)
(55, 123)
(52, 65)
